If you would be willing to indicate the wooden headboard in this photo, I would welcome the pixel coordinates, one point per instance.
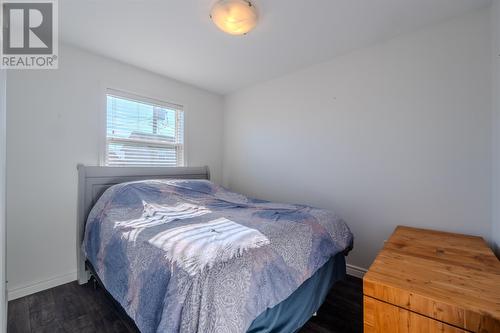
(94, 180)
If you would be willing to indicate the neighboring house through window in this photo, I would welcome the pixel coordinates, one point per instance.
(143, 132)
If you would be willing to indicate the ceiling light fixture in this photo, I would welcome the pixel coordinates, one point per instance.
(235, 17)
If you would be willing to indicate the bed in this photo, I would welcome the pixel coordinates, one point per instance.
(181, 254)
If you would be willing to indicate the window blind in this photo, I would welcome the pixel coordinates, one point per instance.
(143, 132)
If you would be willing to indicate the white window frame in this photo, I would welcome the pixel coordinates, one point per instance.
(103, 158)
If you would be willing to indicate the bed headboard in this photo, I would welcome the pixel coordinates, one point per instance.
(94, 180)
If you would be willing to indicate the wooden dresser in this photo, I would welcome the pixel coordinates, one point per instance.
(429, 281)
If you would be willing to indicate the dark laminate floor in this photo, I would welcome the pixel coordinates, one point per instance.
(74, 308)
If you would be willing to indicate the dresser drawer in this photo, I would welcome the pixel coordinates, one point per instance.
(381, 317)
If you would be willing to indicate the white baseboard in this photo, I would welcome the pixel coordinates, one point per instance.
(356, 271)
(35, 287)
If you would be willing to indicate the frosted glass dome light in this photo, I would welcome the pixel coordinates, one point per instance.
(235, 17)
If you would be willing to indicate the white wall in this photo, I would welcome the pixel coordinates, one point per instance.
(55, 120)
(495, 52)
(3, 304)
(398, 133)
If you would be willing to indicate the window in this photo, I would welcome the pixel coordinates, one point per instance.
(143, 132)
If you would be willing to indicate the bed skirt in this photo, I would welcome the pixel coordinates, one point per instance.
(293, 313)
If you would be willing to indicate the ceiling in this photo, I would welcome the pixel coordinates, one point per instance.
(176, 38)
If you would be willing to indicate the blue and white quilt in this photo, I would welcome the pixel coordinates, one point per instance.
(191, 256)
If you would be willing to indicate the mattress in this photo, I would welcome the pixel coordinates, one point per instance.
(190, 256)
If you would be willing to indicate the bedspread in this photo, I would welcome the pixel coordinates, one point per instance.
(191, 256)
